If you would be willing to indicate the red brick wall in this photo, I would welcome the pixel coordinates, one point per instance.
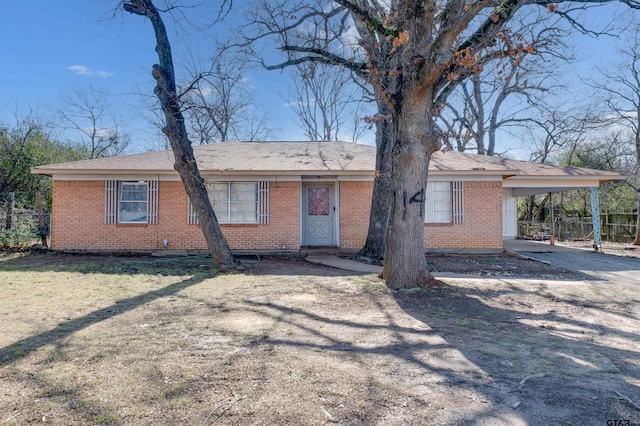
(78, 221)
(482, 227)
(283, 230)
(355, 205)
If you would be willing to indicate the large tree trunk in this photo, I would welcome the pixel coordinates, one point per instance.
(405, 264)
(185, 163)
(379, 214)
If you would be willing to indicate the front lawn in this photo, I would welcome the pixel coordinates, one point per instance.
(123, 340)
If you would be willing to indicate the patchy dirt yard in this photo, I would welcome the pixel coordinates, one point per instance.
(498, 265)
(108, 340)
(489, 265)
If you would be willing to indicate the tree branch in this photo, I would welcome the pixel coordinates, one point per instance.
(323, 57)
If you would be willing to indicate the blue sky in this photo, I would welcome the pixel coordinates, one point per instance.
(47, 47)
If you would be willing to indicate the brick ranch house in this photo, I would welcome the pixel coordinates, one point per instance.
(284, 196)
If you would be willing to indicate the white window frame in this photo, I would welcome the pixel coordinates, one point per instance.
(122, 202)
(229, 202)
(114, 202)
(263, 204)
(451, 204)
(439, 202)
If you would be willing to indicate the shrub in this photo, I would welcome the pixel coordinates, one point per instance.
(24, 232)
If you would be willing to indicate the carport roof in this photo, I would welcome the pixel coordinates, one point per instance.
(454, 160)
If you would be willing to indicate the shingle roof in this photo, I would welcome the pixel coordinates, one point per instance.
(452, 160)
(240, 156)
(308, 157)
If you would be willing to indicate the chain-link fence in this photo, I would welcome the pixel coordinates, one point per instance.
(24, 227)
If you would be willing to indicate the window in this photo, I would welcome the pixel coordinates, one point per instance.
(131, 202)
(438, 202)
(234, 202)
(444, 202)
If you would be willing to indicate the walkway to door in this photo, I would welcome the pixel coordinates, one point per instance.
(593, 265)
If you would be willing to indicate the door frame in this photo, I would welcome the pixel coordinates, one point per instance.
(335, 187)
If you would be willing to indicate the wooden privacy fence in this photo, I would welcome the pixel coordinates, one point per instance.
(615, 227)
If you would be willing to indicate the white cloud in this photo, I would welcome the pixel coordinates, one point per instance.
(104, 74)
(82, 70)
(100, 132)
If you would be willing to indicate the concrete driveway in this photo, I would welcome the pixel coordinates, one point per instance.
(593, 265)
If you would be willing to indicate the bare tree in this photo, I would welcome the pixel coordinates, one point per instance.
(508, 91)
(554, 133)
(620, 90)
(219, 103)
(176, 132)
(326, 101)
(612, 150)
(412, 53)
(555, 130)
(87, 112)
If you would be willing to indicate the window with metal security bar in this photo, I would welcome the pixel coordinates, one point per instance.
(236, 202)
(444, 202)
(131, 202)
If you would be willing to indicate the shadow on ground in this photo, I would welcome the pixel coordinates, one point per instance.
(501, 365)
(311, 347)
(24, 347)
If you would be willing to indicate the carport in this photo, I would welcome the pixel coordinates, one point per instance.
(534, 178)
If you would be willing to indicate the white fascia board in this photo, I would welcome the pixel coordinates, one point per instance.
(289, 175)
(522, 192)
(552, 182)
(272, 176)
(249, 178)
(118, 176)
(220, 177)
(462, 178)
(476, 173)
(361, 178)
(91, 172)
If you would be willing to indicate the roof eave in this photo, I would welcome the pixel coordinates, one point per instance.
(601, 178)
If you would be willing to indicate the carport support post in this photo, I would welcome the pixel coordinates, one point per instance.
(595, 214)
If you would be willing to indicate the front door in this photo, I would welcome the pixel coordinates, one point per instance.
(317, 214)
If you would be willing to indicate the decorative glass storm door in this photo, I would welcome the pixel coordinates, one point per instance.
(317, 214)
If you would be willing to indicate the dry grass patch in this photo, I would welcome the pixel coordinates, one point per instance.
(105, 340)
